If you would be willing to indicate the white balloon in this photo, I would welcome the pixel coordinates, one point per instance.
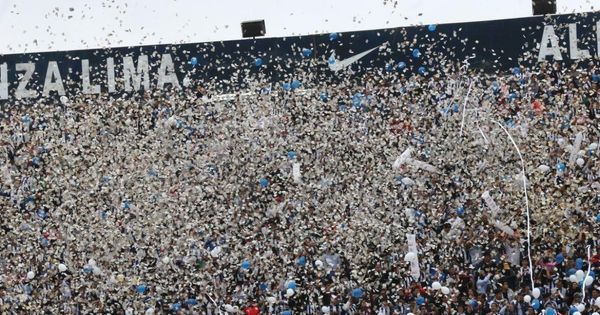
(186, 81)
(561, 142)
(595, 313)
(597, 301)
(215, 251)
(543, 168)
(91, 262)
(150, 311)
(580, 307)
(536, 293)
(325, 309)
(166, 260)
(410, 314)
(436, 285)
(580, 274)
(527, 299)
(573, 278)
(445, 290)
(593, 146)
(580, 162)
(577, 313)
(289, 292)
(62, 268)
(30, 275)
(96, 270)
(410, 256)
(64, 99)
(319, 264)
(271, 300)
(588, 281)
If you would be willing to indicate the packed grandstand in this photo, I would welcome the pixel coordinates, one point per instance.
(426, 183)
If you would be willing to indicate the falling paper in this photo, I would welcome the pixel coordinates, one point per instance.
(402, 159)
(504, 228)
(494, 209)
(296, 173)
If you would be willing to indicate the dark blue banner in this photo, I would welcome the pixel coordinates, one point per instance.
(229, 66)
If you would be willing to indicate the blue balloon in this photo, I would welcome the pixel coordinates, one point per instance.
(432, 27)
(536, 304)
(422, 70)
(245, 264)
(333, 36)
(388, 67)
(495, 86)
(191, 302)
(258, 62)
(560, 258)
(263, 182)
(263, 286)
(296, 84)
(512, 96)
(455, 108)
(42, 214)
(44, 242)
(474, 303)
(301, 261)
(292, 285)
(194, 61)
(550, 311)
(598, 218)
(286, 86)
(357, 293)
(579, 263)
(516, 71)
(286, 313)
(571, 271)
(420, 300)
(324, 97)
(357, 100)
(291, 155)
(595, 78)
(416, 53)
(306, 52)
(87, 269)
(342, 108)
(460, 210)
(573, 310)
(561, 167)
(401, 65)
(141, 288)
(175, 307)
(331, 60)
(126, 204)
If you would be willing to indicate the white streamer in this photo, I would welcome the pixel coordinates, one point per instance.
(589, 250)
(415, 270)
(576, 148)
(526, 203)
(462, 122)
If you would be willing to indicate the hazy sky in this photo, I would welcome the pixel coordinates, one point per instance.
(42, 25)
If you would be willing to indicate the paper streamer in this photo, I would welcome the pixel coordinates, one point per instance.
(504, 228)
(415, 271)
(576, 148)
(589, 250)
(296, 173)
(462, 122)
(422, 165)
(494, 209)
(402, 158)
(526, 202)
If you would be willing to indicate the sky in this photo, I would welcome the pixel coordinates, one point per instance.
(42, 25)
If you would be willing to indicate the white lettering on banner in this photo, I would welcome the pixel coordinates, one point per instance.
(87, 88)
(3, 81)
(110, 74)
(549, 37)
(575, 52)
(166, 73)
(22, 91)
(53, 81)
(415, 270)
(140, 77)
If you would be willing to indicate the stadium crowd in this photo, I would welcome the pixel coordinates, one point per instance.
(300, 201)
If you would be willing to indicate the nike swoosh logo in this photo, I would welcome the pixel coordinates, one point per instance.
(335, 65)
